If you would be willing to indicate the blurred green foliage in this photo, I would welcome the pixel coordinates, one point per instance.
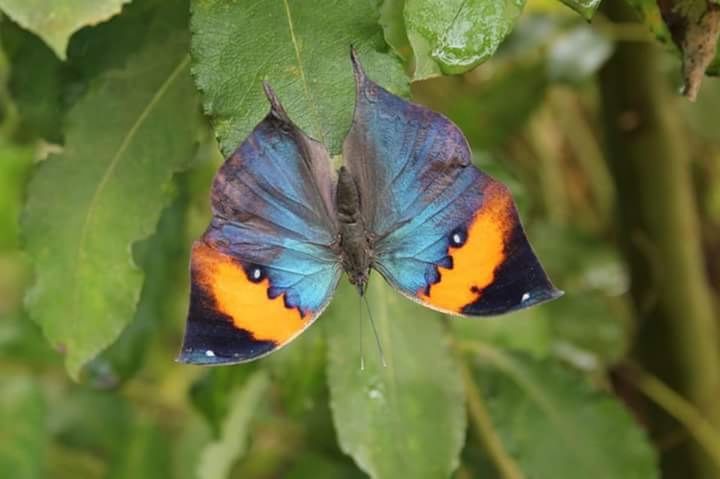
(106, 162)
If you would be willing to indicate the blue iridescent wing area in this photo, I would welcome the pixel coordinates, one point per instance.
(444, 233)
(264, 269)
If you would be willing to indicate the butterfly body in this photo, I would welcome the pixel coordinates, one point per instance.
(355, 241)
(408, 203)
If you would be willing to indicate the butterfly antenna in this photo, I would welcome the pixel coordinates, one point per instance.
(362, 351)
(377, 337)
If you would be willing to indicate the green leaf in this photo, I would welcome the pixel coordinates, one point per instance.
(586, 8)
(165, 280)
(218, 457)
(55, 22)
(303, 51)
(555, 425)
(36, 83)
(453, 36)
(110, 45)
(405, 420)
(392, 21)
(43, 87)
(86, 208)
(24, 434)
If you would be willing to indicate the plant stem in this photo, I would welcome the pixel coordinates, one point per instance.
(486, 431)
(676, 329)
(678, 407)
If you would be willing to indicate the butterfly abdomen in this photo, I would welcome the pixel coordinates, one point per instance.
(355, 249)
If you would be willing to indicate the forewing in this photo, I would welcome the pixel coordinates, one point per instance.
(445, 234)
(265, 267)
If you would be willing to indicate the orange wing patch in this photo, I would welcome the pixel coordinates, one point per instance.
(475, 262)
(243, 300)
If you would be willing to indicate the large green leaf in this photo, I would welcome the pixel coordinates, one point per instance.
(55, 21)
(165, 278)
(453, 36)
(406, 419)
(125, 139)
(24, 435)
(555, 425)
(43, 87)
(218, 457)
(301, 48)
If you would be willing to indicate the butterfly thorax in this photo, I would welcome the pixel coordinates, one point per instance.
(355, 247)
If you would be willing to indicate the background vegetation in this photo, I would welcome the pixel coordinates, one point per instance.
(105, 165)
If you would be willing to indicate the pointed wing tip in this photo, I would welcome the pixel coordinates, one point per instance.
(184, 358)
(188, 356)
(269, 92)
(181, 358)
(543, 296)
(276, 107)
(357, 66)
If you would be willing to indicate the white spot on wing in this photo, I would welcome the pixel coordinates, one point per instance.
(210, 353)
(525, 297)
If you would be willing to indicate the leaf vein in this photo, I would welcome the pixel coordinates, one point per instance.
(92, 206)
(306, 87)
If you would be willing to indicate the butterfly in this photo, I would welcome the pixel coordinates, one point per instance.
(408, 203)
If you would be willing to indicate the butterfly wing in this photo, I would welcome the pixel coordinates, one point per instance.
(445, 234)
(265, 267)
